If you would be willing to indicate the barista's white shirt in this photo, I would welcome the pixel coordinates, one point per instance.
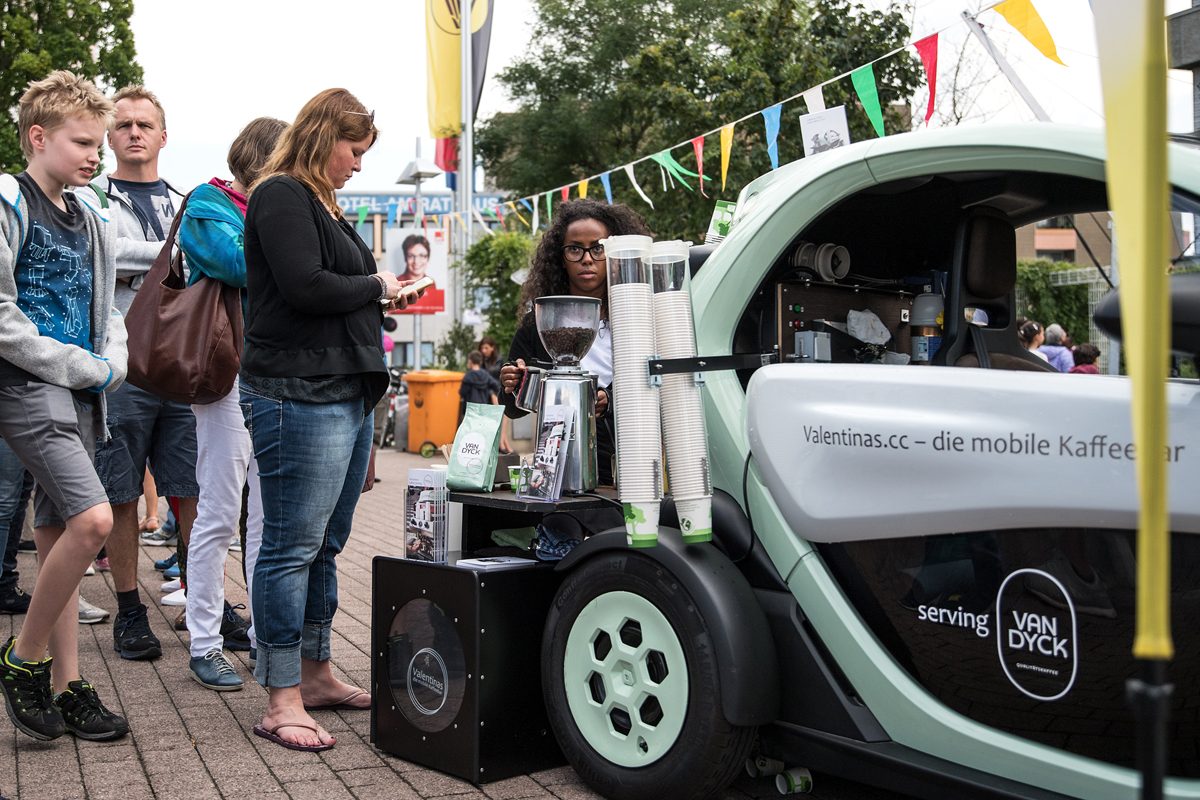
(599, 359)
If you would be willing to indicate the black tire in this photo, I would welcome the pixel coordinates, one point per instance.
(706, 753)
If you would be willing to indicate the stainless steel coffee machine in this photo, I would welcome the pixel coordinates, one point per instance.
(567, 326)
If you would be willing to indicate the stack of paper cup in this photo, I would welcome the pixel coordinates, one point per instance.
(682, 408)
(639, 440)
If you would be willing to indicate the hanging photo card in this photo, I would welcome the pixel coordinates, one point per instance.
(824, 130)
(413, 253)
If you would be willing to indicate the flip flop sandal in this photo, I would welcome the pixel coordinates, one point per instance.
(272, 736)
(341, 705)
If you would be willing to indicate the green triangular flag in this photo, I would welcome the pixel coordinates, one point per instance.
(362, 214)
(864, 84)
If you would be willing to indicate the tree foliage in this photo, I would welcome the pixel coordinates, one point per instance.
(89, 37)
(487, 272)
(608, 81)
(1047, 304)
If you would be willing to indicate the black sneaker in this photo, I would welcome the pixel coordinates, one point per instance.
(14, 601)
(85, 716)
(27, 696)
(235, 629)
(27, 546)
(132, 637)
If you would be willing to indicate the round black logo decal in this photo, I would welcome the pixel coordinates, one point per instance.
(1036, 634)
(426, 666)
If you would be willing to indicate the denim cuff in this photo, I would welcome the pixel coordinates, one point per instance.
(277, 667)
(314, 645)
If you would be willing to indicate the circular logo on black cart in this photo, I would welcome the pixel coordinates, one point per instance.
(426, 666)
(428, 681)
(1036, 634)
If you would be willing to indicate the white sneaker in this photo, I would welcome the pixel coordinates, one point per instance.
(236, 547)
(170, 586)
(158, 538)
(90, 614)
(91, 570)
(175, 598)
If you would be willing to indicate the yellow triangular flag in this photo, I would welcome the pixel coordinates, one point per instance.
(726, 146)
(583, 187)
(1024, 17)
(513, 206)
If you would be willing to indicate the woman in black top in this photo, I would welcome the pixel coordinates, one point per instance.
(570, 260)
(312, 372)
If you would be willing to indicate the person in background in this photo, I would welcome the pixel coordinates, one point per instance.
(478, 385)
(145, 428)
(1031, 336)
(211, 236)
(312, 371)
(16, 486)
(570, 260)
(1055, 348)
(493, 361)
(1086, 355)
(62, 346)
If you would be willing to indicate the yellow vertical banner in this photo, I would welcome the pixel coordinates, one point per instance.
(1025, 18)
(583, 184)
(1132, 40)
(726, 146)
(443, 23)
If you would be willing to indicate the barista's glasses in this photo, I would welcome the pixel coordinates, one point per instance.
(368, 114)
(574, 252)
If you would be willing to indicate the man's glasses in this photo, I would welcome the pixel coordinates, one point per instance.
(574, 252)
(368, 114)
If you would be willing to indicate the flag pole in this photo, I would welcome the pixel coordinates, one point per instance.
(466, 155)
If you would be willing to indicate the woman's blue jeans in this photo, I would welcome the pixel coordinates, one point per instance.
(312, 462)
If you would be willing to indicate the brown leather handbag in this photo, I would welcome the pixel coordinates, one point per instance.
(185, 342)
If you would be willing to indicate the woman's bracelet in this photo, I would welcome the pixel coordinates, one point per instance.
(382, 286)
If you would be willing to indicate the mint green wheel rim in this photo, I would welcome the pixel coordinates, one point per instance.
(626, 680)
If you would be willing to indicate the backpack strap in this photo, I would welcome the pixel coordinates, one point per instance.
(100, 194)
(10, 193)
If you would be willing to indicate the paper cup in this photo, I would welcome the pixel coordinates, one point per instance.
(641, 524)
(695, 519)
(514, 476)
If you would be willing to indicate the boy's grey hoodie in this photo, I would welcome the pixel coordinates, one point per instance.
(50, 360)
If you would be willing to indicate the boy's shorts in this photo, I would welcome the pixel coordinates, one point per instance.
(147, 429)
(53, 431)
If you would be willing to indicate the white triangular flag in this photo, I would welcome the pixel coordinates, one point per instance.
(814, 98)
(636, 186)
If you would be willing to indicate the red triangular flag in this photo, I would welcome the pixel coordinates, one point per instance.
(566, 193)
(698, 149)
(927, 49)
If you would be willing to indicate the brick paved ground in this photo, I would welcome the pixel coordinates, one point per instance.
(194, 744)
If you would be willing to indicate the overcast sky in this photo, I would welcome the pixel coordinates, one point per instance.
(219, 64)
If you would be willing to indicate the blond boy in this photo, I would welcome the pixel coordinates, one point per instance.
(62, 345)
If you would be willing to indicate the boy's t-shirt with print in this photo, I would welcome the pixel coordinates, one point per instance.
(54, 267)
(152, 203)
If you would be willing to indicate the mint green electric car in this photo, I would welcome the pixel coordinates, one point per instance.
(923, 569)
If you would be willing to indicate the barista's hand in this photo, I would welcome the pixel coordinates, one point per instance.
(601, 402)
(510, 376)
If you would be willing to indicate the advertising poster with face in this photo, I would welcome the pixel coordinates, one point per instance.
(413, 253)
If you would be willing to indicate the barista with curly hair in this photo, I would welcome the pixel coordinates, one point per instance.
(569, 260)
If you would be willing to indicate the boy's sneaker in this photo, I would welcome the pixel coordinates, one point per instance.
(235, 629)
(172, 572)
(213, 671)
(159, 538)
(90, 614)
(14, 601)
(166, 563)
(132, 638)
(27, 546)
(85, 716)
(27, 696)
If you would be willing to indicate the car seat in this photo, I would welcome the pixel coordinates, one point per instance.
(984, 275)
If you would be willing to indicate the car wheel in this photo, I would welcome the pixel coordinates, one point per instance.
(631, 685)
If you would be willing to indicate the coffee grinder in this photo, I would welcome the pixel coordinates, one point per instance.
(567, 326)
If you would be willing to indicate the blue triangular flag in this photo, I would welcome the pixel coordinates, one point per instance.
(391, 215)
(607, 187)
(771, 118)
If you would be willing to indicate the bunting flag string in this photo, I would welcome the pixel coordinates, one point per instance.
(698, 149)
(513, 207)
(770, 117)
(864, 84)
(726, 147)
(1024, 17)
(927, 49)
(1020, 14)
(637, 187)
(483, 223)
